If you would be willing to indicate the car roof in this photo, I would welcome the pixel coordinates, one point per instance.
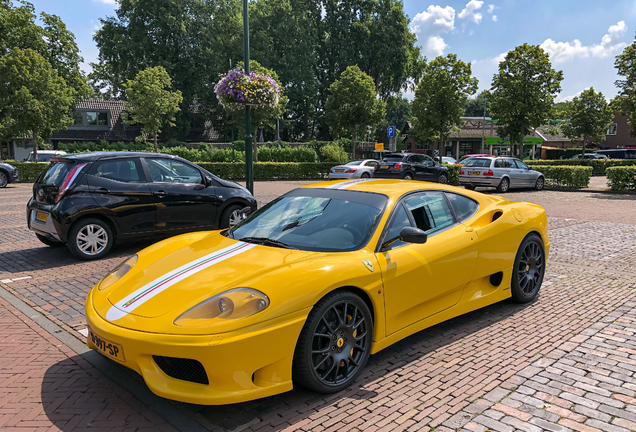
(59, 152)
(93, 156)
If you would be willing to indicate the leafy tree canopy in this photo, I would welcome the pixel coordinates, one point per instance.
(474, 107)
(626, 68)
(589, 118)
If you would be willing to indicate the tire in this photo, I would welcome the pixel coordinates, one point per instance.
(539, 184)
(48, 241)
(408, 176)
(342, 352)
(504, 185)
(442, 179)
(4, 179)
(469, 187)
(230, 216)
(528, 270)
(365, 175)
(90, 239)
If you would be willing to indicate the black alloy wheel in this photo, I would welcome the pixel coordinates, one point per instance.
(442, 179)
(528, 270)
(230, 217)
(469, 187)
(4, 180)
(335, 343)
(365, 175)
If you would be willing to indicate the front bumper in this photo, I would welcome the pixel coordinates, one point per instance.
(242, 365)
(14, 176)
(479, 181)
(342, 176)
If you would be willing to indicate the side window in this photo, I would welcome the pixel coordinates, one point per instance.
(371, 163)
(427, 160)
(400, 220)
(510, 162)
(521, 164)
(499, 163)
(463, 207)
(430, 211)
(172, 171)
(124, 170)
(413, 159)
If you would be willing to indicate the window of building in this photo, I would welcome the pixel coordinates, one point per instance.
(96, 118)
(78, 120)
(612, 129)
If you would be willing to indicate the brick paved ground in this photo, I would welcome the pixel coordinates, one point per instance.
(564, 362)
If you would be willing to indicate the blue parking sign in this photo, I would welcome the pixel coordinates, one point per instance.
(391, 131)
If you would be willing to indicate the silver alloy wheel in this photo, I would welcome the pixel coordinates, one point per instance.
(408, 177)
(443, 179)
(3, 180)
(235, 217)
(91, 239)
(505, 182)
(540, 184)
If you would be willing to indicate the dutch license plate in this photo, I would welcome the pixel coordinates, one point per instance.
(339, 170)
(474, 173)
(384, 166)
(41, 216)
(110, 348)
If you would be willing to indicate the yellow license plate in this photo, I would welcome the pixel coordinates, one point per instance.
(384, 166)
(42, 216)
(339, 170)
(474, 173)
(110, 348)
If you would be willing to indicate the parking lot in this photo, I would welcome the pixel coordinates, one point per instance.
(564, 362)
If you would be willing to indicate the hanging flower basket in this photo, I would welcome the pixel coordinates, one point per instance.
(238, 89)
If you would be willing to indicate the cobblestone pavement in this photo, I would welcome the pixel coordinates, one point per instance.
(564, 362)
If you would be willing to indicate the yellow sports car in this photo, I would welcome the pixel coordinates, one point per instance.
(310, 285)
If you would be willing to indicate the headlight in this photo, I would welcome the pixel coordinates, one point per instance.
(117, 273)
(231, 305)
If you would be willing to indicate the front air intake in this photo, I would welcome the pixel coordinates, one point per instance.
(496, 278)
(182, 369)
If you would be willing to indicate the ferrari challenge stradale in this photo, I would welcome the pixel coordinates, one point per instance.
(307, 287)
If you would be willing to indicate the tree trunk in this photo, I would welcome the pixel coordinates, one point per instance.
(156, 148)
(35, 146)
(306, 136)
(254, 146)
(353, 146)
(584, 144)
(521, 146)
(441, 143)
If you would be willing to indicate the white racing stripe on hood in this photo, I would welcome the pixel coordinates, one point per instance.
(348, 183)
(151, 289)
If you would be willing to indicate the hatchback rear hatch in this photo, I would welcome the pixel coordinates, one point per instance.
(389, 163)
(476, 167)
(53, 183)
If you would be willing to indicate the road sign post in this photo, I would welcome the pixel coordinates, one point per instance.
(390, 132)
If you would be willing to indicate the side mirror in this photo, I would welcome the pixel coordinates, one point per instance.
(245, 212)
(208, 181)
(413, 235)
(529, 168)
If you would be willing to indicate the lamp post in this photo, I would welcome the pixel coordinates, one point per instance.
(483, 133)
(249, 169)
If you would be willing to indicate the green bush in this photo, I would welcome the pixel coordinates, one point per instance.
(569, 177)
(622, 178)
(29, 171)
(270, 170)
(286, 154)
(599, 166)
(453, 174)
(565, 153)
(333, 153)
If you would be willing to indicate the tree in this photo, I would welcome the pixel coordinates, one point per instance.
(353, 105)
(626, 68)
(439, 98)
(525, 87)
(152, 102)
(474, 107)
(34, 99)
(589, 118)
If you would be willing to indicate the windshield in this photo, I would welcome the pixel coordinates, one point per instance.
(354, 163)
(321, 220)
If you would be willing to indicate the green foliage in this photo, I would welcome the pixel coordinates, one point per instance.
(333, 152)
(90, 146)
(622, 178)
(525, 87)
(353, 105)
(475, 107)
(440, 97)
(626, 102)
(286, 154)
(453, 174)
(558, 153)
(589, 118)
(152, 102)
(568, 177)
(34, 99)
(29, 171)
(271, 170)
(599, 166)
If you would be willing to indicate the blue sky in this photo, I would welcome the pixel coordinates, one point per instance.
(581, 36)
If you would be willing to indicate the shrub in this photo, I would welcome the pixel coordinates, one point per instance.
(622, 178)
(29, 172)
(453, 174)
(333, 152)
(570, 177)
(598, 165)
(270, 170)
(188, 154)
(286, 154)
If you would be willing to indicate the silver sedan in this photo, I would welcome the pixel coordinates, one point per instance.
(502, 173)
(354, 169)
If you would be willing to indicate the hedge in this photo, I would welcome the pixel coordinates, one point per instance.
(29, 172)
(569, 177)
(622, 178)
(270, 170)
(453, 174)
(599, 166)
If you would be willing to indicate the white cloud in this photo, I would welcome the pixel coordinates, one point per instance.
(430, 24)
(110, 2)
(494, 18)
(569, 98)
(470, 11)
(610, 43)
(491, 8)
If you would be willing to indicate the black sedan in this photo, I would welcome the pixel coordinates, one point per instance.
(8, 174)
(90, 200)
(411, 166)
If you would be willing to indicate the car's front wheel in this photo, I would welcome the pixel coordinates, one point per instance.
(365, 175)
(4, 180)
(539, 184)
(90, 239)
(469, 187)
(442, 179)
(528, 270)
(230, 217)
(335, 343)
(408, 176)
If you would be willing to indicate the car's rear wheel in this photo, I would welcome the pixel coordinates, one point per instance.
(504, 185)
(365, 175)
(4, 180)
(90, 239)
(335, 343)
(469, 187)
(528, 270)
(408, 176)
(539, 184)
(47, 241)
(230, 217)
(442, 179)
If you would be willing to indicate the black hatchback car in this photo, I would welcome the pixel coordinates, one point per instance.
(90, 200)
(411, 166)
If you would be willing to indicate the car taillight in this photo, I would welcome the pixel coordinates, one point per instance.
(331, 170)
(68, 180)
(461, 172)
(489, 173)
(376, 166)
(351, 170)
(397, 166)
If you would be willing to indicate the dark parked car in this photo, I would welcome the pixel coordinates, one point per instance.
(628, 153)
(90, 200)
(8, 174)
(411, 166)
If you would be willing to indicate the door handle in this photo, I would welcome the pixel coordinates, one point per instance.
(102, 190)
(160, 194)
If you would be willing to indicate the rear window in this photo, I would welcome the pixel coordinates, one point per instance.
(630, 154)
(478, 163)
(392, 159)
(464, 207)
(56, 174)
(354, 163)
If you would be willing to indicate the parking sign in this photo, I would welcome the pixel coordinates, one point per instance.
(391, 131)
